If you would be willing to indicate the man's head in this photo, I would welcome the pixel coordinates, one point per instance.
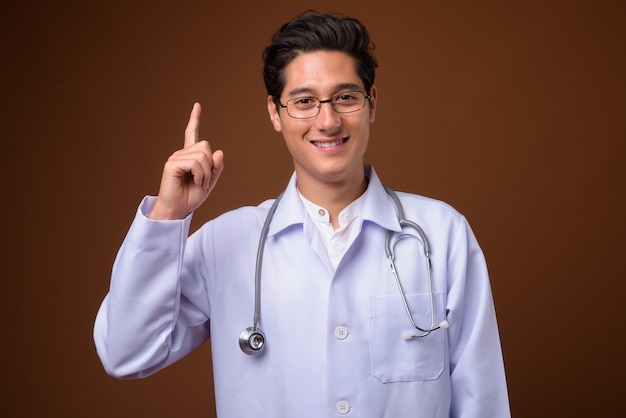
(313, 31)
(320, 78)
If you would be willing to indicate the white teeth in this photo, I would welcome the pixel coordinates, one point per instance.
(328, 144)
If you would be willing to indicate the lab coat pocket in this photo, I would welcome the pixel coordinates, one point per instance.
(396, 359)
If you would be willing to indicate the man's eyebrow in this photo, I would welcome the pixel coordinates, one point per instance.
(300, 90)
(309, 90)
(348, 86)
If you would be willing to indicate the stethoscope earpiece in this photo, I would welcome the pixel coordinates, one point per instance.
(252, 341)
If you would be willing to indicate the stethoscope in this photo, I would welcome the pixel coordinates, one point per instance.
(252, 339)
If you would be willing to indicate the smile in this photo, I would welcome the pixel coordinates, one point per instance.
(329, 144)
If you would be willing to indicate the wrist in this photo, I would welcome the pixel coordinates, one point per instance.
(162, 213)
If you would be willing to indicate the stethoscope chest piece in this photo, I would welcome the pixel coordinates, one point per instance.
(252, 341)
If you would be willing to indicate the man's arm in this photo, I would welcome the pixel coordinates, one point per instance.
(478, 380)
(145, 322)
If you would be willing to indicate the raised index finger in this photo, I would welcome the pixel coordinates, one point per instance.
(193, 127)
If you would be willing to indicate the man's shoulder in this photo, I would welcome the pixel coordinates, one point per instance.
(421, 201)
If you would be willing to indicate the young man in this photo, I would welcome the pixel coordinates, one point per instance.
(341, 335)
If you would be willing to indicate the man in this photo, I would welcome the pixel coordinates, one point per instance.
(339, 338)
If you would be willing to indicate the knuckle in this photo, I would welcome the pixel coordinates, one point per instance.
(204, 144)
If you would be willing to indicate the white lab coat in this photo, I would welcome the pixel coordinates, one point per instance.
(335, 343)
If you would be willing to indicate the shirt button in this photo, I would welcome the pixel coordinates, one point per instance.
(321, 212)
(341, 332)
(343, 407)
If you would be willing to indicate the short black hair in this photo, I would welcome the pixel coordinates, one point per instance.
(314, 31)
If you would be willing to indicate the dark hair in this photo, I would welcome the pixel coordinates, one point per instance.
(313, 31)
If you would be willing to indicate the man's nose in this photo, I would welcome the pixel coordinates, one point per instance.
(327, 119)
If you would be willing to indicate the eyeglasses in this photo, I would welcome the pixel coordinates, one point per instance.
(308, 107)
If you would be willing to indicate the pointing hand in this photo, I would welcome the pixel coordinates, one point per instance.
(189, 174)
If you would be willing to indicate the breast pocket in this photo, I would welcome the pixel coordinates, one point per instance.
(395, 359)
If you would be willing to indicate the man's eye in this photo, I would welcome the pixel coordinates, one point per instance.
(342, 98)
(304, 102)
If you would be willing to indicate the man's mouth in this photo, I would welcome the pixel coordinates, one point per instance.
(329, 144)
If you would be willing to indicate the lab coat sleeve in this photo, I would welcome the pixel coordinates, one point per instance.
(145, 323)
(478, 381)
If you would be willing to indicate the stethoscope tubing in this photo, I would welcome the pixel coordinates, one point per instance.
(259, 261)
(405, 223)
(252, 339)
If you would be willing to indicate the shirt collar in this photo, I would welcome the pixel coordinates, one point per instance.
(377, 206)
(320, 216)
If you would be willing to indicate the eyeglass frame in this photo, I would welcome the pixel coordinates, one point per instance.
(366, 98)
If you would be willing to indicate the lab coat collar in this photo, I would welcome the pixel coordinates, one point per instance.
(377, 206)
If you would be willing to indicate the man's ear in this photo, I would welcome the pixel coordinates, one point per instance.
(274, 115)
(372, 104)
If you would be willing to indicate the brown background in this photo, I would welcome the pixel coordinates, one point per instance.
(513, 112)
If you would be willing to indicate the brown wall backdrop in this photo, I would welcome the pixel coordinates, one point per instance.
(513, 112)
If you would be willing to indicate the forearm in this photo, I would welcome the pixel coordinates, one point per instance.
(137, 329)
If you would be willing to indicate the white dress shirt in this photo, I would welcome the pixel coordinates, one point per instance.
(335, 345)
(335, 241)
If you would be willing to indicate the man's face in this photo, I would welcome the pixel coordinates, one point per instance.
(330, 147)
